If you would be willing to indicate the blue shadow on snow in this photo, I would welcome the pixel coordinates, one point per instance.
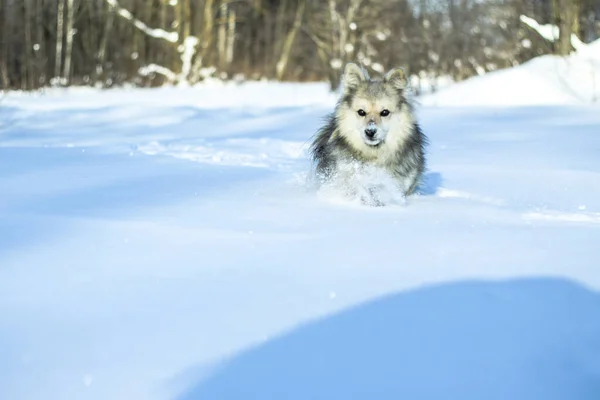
(430, 184)
(520, 339)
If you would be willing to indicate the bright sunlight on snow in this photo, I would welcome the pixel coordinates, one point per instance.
(546, 80)
(164, 244)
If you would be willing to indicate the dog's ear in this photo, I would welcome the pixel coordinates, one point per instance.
(397, 78)
(353, 76)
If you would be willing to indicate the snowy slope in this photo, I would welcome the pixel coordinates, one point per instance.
(546, 80)
(162, 244)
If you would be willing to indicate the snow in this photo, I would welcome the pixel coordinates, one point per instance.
(550, 32)
(163, 244)
(546, 80)
(172, 37)
(187, 48)
(187, 53)
(158, 69)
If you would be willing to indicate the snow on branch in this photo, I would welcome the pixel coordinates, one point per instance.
(187, 48)
(550, 32)
(172, 37)
(158, 69)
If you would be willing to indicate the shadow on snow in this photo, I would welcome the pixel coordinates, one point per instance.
(519, 339)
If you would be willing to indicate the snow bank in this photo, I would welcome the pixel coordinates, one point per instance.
(546, 80)
(210, 95)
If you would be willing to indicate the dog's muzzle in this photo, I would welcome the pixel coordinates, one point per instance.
(370, 135)
(370, 132)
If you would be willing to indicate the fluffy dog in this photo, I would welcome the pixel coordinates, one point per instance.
(372, 126)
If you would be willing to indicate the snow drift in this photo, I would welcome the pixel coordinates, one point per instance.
(546, 80)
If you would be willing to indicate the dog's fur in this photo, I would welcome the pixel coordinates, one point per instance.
(398, 144)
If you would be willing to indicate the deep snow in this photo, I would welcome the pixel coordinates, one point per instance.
(546, 80)
(161, 244)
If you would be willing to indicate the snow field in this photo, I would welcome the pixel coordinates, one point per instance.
(164, 244)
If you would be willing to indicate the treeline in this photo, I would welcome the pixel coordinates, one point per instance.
(152, 42)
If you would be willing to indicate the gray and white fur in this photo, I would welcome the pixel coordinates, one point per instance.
(373, 125)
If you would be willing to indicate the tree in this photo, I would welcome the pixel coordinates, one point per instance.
(566, 18)
(153, 42)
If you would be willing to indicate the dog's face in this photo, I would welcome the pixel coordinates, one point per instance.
(370, 109)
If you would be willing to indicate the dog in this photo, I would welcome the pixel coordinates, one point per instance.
(373, 127)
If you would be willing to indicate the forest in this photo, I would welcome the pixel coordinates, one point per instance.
(145, 43)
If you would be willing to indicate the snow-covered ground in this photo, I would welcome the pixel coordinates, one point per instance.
(162, 244)
(546, 80)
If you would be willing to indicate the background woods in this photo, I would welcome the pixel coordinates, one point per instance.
(152, 42)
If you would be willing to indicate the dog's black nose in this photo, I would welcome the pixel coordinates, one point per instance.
(370, 132)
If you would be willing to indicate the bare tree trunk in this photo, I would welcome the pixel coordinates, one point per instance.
(279, 30)
(145, 52)
(136, 38)
(333, 15)
(59, 38)
(4, 81)
(342, 48)
(108, 23)
(28, 78)
(186, 18)
(40, 49)
(206, 40)
(576, 23)
(69, 42)
(230, 37)
(289, 41)
(222, 38)
(257, 17)
(163, 25)
(348, 40)
(268, 40)
(565, 13)
(176, 28)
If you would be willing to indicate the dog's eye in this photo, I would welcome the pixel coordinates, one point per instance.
(384, 113)
(362, 112)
